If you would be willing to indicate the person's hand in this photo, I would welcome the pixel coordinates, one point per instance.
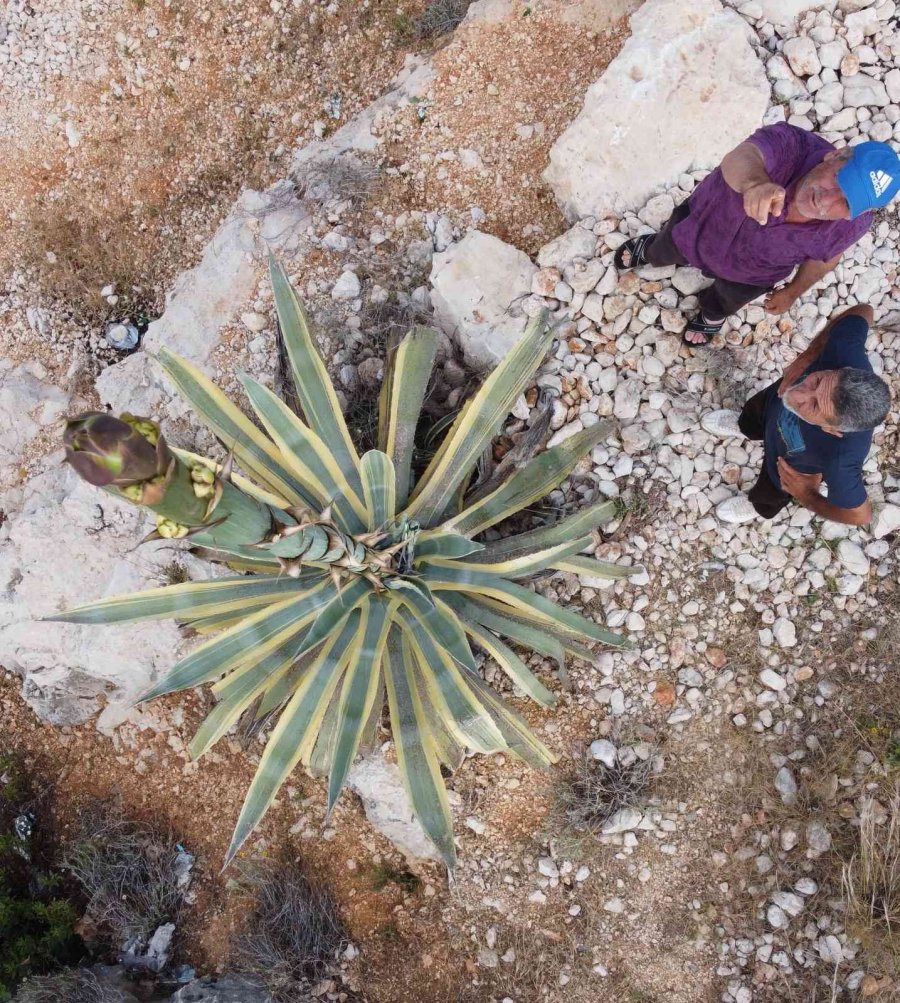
(762, 201)
(793, 373)
(779, 300)
(797, 485)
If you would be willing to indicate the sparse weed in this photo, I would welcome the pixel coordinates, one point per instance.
(638, 509)
(531, 961)
(74, 251)
(384, 874)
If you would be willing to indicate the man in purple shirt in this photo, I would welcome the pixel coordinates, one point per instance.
(785, 199)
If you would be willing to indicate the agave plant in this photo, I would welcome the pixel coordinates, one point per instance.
(348, 581)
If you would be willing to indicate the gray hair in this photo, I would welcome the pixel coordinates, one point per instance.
(861, 400)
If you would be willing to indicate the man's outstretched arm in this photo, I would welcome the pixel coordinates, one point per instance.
(744, 171)
(805, 489)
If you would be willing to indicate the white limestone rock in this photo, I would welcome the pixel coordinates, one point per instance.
(786, 12)
(578, 242)
(28, 403)
(852, 556)
(785, 633)
(687, 82)
(885, 521)
(387, 806)
(347, 287)
(801, 53)
(605, 752)
(862, 90)
(477, 288)
(71, 544)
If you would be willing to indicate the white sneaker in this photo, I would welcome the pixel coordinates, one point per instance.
(736, 509)
(724, 424)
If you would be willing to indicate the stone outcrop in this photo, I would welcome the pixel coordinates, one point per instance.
(478, 287)
(225, 989)
(686, 88)
(387, 806)
(71, 544)
(27, 404)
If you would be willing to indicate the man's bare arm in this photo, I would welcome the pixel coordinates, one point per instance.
(808, 274)
(804, 488)
(806, 358)
(859, 516)
(744, 171)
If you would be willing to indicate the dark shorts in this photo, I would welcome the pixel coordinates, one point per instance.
(722, 298)
(766, 497)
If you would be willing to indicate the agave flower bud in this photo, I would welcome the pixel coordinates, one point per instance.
(204, 481)
(170, 530)
(105, 450)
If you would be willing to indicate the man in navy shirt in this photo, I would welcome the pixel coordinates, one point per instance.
(817, 424)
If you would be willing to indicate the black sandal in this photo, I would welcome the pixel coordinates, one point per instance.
(699, 326)
(635, 247)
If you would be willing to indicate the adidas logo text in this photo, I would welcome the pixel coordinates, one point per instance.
(880, 181)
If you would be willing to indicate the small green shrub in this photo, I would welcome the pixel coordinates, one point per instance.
(385, 874)
(37, 923)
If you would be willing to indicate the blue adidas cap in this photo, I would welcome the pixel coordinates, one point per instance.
(871, 177)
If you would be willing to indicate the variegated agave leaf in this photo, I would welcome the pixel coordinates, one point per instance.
(353, 584)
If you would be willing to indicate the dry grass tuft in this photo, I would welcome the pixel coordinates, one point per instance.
(531, 962)
(173, 573)
(295, 933)
(127, 870)
(71, 986)
(341, 178)
(871, 884)
(592, 792)
(729, 369)
(440, 17)
(74, 250)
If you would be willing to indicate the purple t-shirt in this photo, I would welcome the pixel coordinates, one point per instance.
(722, 240)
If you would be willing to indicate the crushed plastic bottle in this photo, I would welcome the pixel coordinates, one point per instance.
(122, 336)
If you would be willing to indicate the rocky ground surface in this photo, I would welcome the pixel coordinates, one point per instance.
(762, 690)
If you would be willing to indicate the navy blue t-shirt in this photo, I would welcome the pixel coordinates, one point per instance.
(810, 449)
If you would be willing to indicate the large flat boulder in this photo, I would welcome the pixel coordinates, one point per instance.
(686, 88)
(478, 286)
(70, 544)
